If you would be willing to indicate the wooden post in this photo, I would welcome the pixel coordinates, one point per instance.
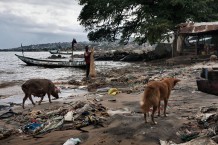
(174, 48)
(196, 46)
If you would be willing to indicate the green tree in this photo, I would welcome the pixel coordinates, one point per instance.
(142, 19)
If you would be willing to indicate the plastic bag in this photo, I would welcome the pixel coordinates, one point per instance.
(72, 141)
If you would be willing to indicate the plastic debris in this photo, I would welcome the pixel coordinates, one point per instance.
(4, 133)
(4, 106)
(72, 141)
(53, 124)
(7, 114)
(112, 100)
(69, 116)
(197, 141)
(78, 113)
(113, 91)
(35, 113)
(121, 111)
(32, 128)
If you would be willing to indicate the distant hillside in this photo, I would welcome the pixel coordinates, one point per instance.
(80, 46)
(48, 46)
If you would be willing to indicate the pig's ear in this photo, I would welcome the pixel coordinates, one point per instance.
(57, 90)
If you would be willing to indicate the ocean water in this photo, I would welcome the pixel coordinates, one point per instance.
(14, 70)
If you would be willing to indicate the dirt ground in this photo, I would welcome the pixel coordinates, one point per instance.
(130, 129)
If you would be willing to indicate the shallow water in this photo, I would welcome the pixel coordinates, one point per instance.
(13, 70)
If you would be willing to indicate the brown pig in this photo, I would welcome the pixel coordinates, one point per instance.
(39, 88)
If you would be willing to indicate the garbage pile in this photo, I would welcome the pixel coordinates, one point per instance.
(72, 115)
(208, 121)
(205, 125)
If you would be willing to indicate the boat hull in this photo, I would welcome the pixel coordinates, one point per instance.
(206, 86)
(209, 81)
(60, 53)
(51, 64)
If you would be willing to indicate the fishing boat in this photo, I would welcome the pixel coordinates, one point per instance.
(60, 52)
(51, 63)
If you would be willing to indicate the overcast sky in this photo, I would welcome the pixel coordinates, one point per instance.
(39, 21)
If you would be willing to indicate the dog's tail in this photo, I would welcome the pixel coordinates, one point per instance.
(144, 103)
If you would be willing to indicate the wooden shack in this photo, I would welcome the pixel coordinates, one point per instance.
(196, 39)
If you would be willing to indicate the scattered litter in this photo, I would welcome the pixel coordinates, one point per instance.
(113, 91)
(206, 124)
(215, 138)
(112, 100)
(35, 113)
(7, 114)
(121, 111)
(4, 133)
(197, 141)
(32, 128)
(4, 106)
(52, 124)
(72, 141)
(73, 115)
(69, 116)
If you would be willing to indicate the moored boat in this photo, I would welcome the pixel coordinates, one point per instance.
(60, 52)
(206, 86)
(51, 63)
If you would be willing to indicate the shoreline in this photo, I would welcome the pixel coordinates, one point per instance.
(127, 125)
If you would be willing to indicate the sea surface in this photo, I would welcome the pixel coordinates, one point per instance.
(13, 72)
(13, 69)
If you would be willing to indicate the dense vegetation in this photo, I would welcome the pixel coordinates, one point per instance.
(142, 19)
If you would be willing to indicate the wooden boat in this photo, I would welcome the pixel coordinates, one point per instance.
(209, 81)
(50, 63)
(206, 86)
(60, 52)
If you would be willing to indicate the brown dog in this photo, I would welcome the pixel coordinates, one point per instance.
(154, 92)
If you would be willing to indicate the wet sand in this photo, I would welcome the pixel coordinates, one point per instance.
(130, 129)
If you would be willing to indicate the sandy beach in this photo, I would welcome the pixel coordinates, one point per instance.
(123, 123)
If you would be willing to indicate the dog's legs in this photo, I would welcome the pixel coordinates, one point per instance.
(145, 118)
(165, 107)
(159, 109)
(152, 115)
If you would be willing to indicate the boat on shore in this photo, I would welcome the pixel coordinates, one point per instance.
(208, 83)
(51, 63)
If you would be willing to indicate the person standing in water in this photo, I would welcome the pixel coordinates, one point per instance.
(87, 55)
(72, 47)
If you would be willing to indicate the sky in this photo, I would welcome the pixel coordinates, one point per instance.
(39, 21)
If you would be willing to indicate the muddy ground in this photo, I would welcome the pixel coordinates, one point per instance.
(125, 128)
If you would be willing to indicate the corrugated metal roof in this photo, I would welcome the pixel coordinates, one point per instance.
(194, 28)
